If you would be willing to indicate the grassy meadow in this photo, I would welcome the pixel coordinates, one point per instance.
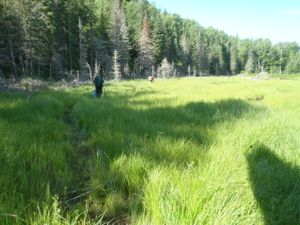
(213, 150)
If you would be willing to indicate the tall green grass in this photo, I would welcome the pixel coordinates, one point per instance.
(183, 151)
(36, 160)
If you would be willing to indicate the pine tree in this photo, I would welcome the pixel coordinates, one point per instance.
(118, 33)
(116, 66)
(203, 57)
(195, 71)
(83, 53)
(250, 65)
(10, 36)
(102, 54)
(146, 53)
(233, 60)
(221, 61)
(216, 59)
(166, 69)
(293, 65)
(185, 55)
(36, 35)
(103, 51)
(189, 70)
(158, 40)
(125, 44)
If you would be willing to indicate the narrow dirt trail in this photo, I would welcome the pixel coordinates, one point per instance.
(80, 159)
(80, 166)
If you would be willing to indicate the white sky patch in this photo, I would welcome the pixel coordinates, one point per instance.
(292, 12)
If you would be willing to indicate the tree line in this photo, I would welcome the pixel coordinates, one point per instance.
(68, 39)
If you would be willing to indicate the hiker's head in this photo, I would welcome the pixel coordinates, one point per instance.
(99, 74)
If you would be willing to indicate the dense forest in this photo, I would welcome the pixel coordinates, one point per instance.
(69, 39)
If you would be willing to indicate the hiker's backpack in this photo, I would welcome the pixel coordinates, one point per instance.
(99, 81)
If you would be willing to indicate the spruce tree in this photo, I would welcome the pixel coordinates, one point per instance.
(233, 60)
(294, 64)
(158, 40)
(116, 66)
(146, 53)
(118, 33)
(185, 56)
(216, 59)
(189, 70)
(203, 57)
(10, 36)
(83, 53)
(166, 69)
(250, 65)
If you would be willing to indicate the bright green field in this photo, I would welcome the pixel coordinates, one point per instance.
(186, 151)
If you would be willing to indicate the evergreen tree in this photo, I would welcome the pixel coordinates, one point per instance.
(216, 59)
(250, 65)
(244, 47)
(158, 40)
(119, 33)
(116, 66)
(294, 64)
(189, 70)
(262, 49)
(10, 36)
(103, 50)
(195, 71)
(185, 56)
(166, 69)
(233, 60)
(203, 58)
(37, 36)
(146, 53)
(83, 53)
(125, 45)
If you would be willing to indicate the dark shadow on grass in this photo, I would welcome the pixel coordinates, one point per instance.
(276, 186)
(190, 122)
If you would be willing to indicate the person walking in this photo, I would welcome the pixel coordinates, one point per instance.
(98, 81)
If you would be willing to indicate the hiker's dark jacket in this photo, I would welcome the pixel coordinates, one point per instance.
(98, 81)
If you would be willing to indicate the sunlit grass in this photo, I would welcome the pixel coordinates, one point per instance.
(169, 152)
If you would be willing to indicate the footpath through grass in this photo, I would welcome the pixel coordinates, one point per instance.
(185, 151)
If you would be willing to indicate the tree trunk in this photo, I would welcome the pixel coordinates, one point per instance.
(38, 68)
(90, 71)
(22, 65)
(50, 71)
(26, 60)
(92, 47)
(12, 57)
(70, 45)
